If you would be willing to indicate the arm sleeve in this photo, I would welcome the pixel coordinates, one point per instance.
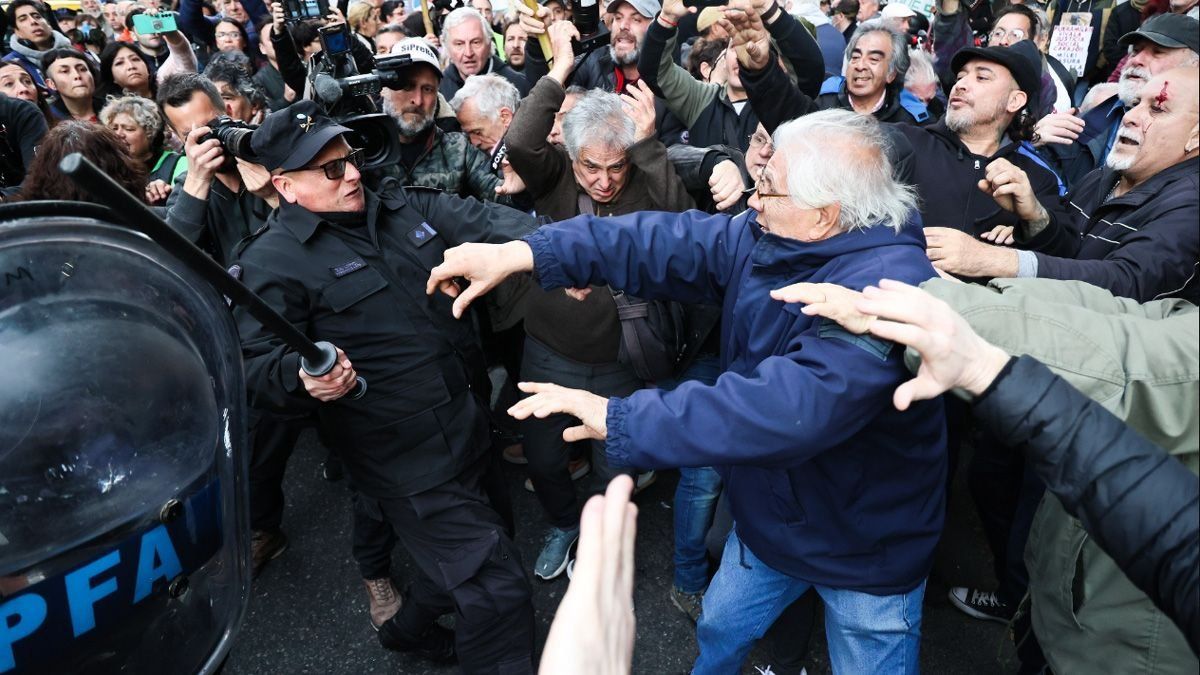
(666, 256)
(1060, 236)
(1137, 501)
(951, 33)
(469, 220)
(28, 128)
(272, 368)
(194, 24)
(186, 214)
(774, 98)
(665, 188)
(182, 59)
(291, 67)
(801, 50)
(481, 181)
(817, 395)
(1155, 261)
(530, 154)
(684, 95)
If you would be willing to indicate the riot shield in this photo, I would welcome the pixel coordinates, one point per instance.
(124, 532)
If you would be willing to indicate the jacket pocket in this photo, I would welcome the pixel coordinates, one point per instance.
(344, 293)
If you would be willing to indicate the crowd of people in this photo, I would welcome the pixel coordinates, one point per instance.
(717, 239)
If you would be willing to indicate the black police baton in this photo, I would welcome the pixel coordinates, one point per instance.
(316, 358)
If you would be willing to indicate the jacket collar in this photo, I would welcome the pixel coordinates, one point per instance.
(1150, 188)
(303, 223)
(780, 253)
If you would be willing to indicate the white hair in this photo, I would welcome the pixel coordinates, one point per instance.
(920, 68)
(598, 119)
(841, 157)
(490, 92)
(462, 15)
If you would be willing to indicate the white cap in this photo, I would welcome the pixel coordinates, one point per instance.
(419, 51)
(897, 10)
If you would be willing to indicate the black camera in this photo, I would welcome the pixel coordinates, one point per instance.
(593, 34)
(234, 137)
(295, 11)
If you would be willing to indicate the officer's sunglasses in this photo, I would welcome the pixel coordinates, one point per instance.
(336, 168)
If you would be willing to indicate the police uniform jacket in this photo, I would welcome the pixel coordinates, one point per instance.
(362, 287)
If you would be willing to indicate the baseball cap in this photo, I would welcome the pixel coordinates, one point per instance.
(419, 51)
(1021, 59)
(707, 17)
(1168, 30)
(289, 138)
(896, 10)
(647, 8)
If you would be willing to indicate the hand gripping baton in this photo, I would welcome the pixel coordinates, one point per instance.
(316, 358)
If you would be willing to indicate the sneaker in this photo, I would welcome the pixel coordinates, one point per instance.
(385, 600)
(688, 603)
(265, 546)
(578, 468)
(981, 605)
(644, 480)
(514, 454)
(556, 552)
(435, 644)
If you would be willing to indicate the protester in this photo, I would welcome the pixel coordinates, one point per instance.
(124, 70)
(485, 107)
(44, 180)
(73, 80)
(243, 99)
(139, 124)
(32, 38)
(868, 554)
(467, 37)
(16, 82)
(387, 37)
(23, 127)
(514, 44)
(364, 23)
(150, 45)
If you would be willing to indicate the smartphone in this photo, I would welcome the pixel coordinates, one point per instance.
(145, 24)
(296, 11)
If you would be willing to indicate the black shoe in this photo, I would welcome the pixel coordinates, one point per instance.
(981, 604)
(331, 468)
(435, 644)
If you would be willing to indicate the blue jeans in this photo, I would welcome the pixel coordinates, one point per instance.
(695, 496)
(866, 633)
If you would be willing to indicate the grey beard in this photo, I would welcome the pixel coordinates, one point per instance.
(1119, 164)
(958, 122)
(407, 129)
(629, 59)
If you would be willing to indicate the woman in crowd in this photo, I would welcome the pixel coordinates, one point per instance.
(231, 36)
(363, 18)
(16, 82)
(138, 124)
(124, 70)
(98, 144)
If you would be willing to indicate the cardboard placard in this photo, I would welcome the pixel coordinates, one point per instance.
(1069, 44)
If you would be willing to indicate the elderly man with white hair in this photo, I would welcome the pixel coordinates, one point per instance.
(467, 39)
(485, 107)
(830, 486)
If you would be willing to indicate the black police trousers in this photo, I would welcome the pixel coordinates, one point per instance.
(467, 564)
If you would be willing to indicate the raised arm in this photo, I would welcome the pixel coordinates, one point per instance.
(685, 96)
(771, 93)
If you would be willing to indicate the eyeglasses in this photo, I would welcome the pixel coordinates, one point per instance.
(229, 35)
(762, 141)
(1014, 35)
(765, 195)
(335, 169)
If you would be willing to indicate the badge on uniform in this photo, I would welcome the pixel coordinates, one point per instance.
(347, 267)
(422, 234)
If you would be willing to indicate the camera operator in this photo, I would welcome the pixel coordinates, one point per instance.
(347, 264)
(220, 199)
(431, 157)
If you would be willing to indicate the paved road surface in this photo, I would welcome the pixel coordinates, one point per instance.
(308, 613)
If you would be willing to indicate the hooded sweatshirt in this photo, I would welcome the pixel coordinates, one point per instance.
(31, 58)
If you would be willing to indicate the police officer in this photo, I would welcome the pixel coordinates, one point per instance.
(349, 265)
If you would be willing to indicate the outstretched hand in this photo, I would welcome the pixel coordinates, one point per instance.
(594, 626)
(747, 34)
(551, 399)
(483, 265)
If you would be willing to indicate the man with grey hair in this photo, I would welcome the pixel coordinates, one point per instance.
(872, 80)
(612, 164)
(831, 487)
(1077, 143)
(485, 107)
(467, 38)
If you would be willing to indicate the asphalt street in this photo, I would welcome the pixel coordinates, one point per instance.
(308, 610)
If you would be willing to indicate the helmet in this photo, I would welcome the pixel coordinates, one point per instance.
(123, 520)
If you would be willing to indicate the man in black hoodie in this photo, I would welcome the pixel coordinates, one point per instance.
(988, 119)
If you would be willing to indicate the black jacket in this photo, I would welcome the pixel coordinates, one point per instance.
(891, 111)
(362, 287)
(218, 223)
(1143, 245)
(452, 81)
(22, 127)
(944, 171)
(1138, 502)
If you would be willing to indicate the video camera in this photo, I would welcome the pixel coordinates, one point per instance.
(593, 34)
(350, 97)
(296, 11)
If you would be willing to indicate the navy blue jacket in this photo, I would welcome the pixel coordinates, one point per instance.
(827, 481)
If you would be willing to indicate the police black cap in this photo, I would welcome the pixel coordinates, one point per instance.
(289, 138)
